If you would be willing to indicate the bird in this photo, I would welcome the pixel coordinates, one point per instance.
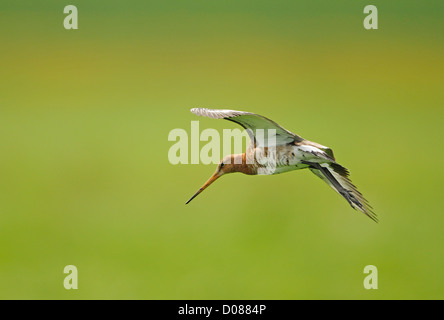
(282, 151)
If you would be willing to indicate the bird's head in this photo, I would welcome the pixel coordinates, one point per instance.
(228, 164)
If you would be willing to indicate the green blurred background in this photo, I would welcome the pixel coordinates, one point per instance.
(84, 171)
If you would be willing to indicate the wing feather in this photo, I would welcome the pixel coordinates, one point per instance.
(252, 122)
(352, 195)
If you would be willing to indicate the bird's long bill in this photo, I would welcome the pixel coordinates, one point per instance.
(210, 181)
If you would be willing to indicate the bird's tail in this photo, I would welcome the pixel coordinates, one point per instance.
(336, 176)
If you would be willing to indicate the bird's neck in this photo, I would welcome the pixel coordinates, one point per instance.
(239, 164)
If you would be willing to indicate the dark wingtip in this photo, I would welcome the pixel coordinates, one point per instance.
(369, 213)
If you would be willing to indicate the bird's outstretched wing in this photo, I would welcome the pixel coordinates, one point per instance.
(251, 123)
(337, 177)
